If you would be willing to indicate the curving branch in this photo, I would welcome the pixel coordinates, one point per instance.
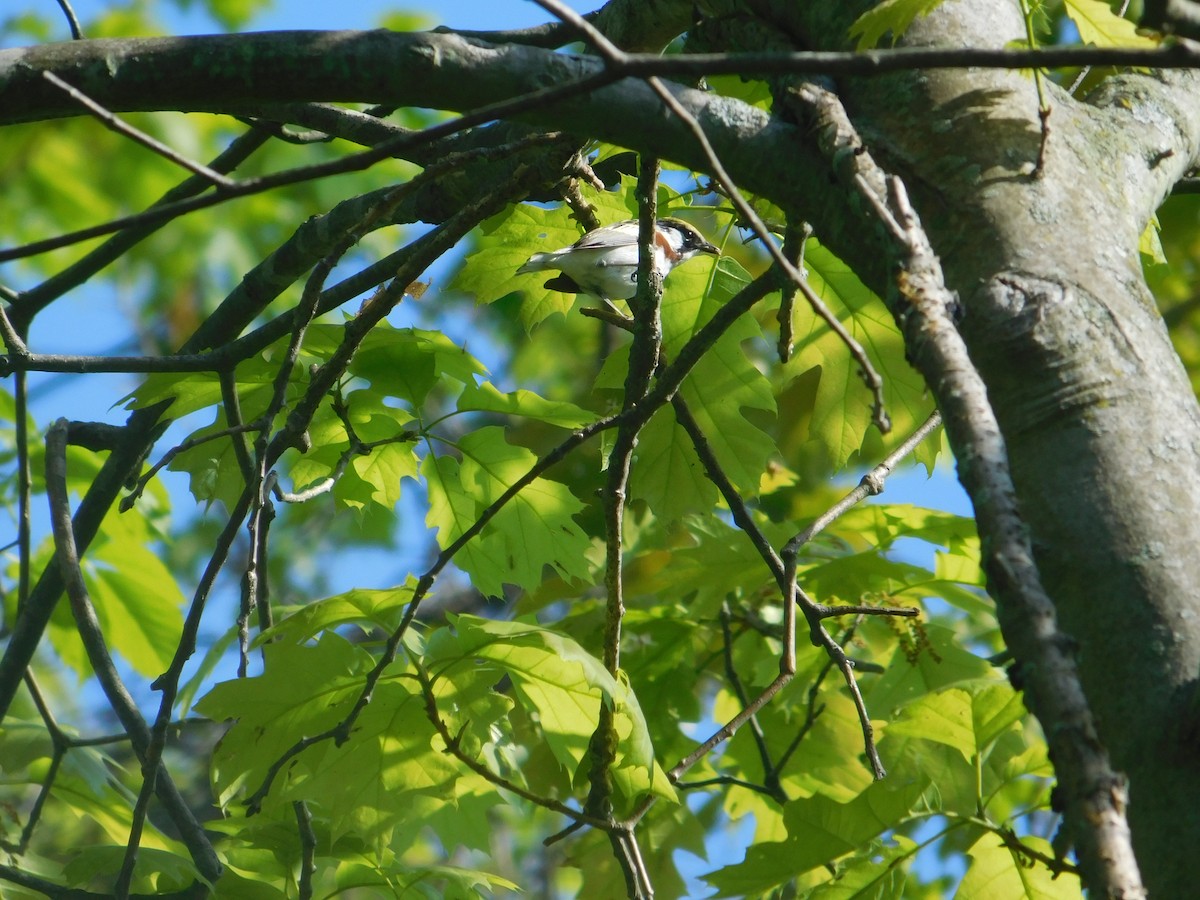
(870, 485)
(201, 849)
(616, 61)
(121, 127)
(452, 72)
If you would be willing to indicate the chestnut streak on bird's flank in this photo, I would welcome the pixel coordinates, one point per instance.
(604, 262)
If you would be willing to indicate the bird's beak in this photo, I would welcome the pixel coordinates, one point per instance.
(709, 248)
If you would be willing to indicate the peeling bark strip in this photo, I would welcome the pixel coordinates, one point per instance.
(924, 308)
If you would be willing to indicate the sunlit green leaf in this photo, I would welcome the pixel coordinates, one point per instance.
(998, 873)
(359, 606)
(565, 685)
(1098, 24)
(486, 397)
(944, 717)
(889, 16)
(532, 530)
(842, 415)
(819, 829)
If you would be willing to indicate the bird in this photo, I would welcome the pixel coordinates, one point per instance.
(604, 262)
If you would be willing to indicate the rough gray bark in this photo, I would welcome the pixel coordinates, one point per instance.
(1101, 424)
(1102, 427)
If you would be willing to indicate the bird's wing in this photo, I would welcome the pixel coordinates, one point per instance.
(620, 235)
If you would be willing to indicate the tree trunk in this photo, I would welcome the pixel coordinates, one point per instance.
(1101, 423)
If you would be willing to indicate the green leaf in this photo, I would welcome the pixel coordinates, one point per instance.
(841, 416)
(944, 718)
(234, 15)
(874, 876)
(158, 871)
(449, 882)
(106, 805)
(195, 391)
(725, 384)
(883, 523)
(819, 830)
(212, 466)
(941, 664)
(213, 656)
(367, 782)
(997, 873)
(565, 685)
(407, 362)
(136, 598)
(303, 690)
(828, 769)
(486, 397)
(552, 675)
(667, 474)
(1150, 244)
(1099, 25)
(994, 710)
(532, 530)
(371, 478)
(890, 15)
(720, 389)
(360, 606)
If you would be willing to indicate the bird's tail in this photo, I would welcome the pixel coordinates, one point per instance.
(536, 263)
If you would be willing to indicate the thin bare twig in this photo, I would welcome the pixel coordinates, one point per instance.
(122, 127)
(616, 60)
(1093, 792)
(72, 19)
(870, 485)
(794, 242)
(353, 163)
(255, 594)
(725, 780)
(308, 849)
(771, 785)
(12, 340)
(233, 417)
(787, 662)
(201, 850)
(24, 488)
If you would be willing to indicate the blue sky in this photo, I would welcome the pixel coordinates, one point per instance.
(467, 14)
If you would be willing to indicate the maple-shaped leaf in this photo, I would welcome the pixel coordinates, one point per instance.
(534, 529)
(889, 16)
(841, 416)
(1098, 24)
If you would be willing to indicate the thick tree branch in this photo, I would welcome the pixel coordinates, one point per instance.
(1180, 17)
(227, 73)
